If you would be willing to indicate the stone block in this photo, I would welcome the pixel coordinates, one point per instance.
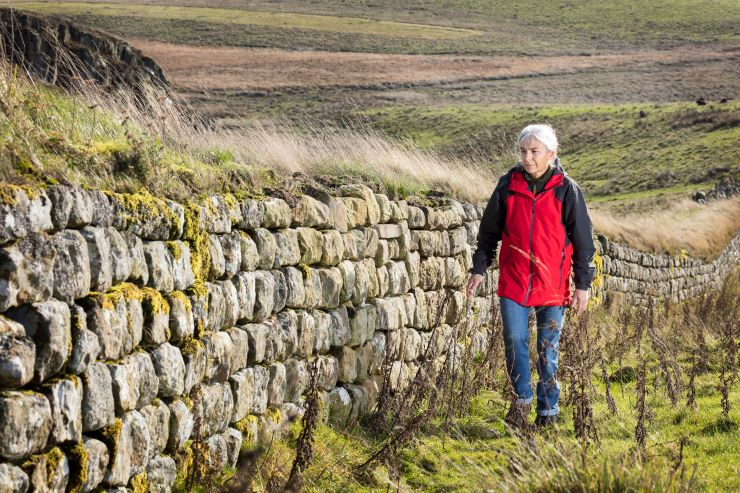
(431, 273)
(48, 472)
(134, 382)
(71, 266)
(244, 282)
(347, 358)
(373, 283)
(340, 406)
(218, 213)
(13, 479)
(277, 214)
(195, 357)
(240, 340)
(309, 212)
(363, 192)
(217, 266)
(384, 207)
(250, 257)
(25, 423)
(220, 355)
(98, 407)
(356, 209)
(97, 463)
(65, 399)
(322, 331)
(265, 295)
(231, 246)
(378, 343)
(120, 259)
(331, 286)
(261, 380)
(349, 281)
(363, 324)
(23, 213)
(146, 216)
(161, 473)
(416, 218)
(281, 290)
(266, 247)
(157, 417)
(17, 361)
(327, 368)
(48, 325)
(156, 311)
(296, 291)
(371, 243)
(296, 379)
(398, 278)
(339, 329)
(213, 407)
(288, 251)
(312, 288)
(257, 342)
(354, 242)
(180, 426)
(305, 335)
(71, 206)
(182, 323)
(242, 389)
(332, 248)
(231, 303)
(252, 213)
(129, 438)
(311, 244)
(169, 366)
(276, 385)
(275, 344)
(26, 271)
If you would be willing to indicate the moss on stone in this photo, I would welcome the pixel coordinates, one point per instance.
(184, 461)
(153, 303)
(191, 228)
(187, 401)
(200, 256)
(78, 464)
(142, 207)
(127, 291)
(111, 435)
(247, 427)
(597, 284)
(8, 194)
(175, 249)
(54, 457)
(189, 346)
(180, 296)
(140, 483)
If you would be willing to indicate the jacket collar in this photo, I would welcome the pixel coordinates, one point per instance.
(519, 183)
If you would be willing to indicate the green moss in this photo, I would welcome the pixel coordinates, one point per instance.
(247, 427)
(140, 483)
(127, 291)
(153, 303)
(307, 272)
(78, 462)
(187, 401)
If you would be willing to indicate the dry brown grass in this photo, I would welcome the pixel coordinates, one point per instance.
(701, 230)
(249, 69)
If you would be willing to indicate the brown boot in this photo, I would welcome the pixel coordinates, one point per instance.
(518, 416)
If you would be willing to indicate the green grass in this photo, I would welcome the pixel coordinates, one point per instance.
(610, 149)
(417, 26)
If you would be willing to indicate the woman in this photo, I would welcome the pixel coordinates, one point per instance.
(538, 213)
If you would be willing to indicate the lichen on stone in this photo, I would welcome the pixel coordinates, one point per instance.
(175, 249)
(144, 207)
(140, 483)
(180, 296)
(153, 303)
(189, 346)
(53, 458)
(111, 436)
(78, 462)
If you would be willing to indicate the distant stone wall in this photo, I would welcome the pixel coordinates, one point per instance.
(131, 326)
(636, 276)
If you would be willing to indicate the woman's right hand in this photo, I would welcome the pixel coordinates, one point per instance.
(473, 284)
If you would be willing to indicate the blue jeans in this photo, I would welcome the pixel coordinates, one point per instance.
(516, 344)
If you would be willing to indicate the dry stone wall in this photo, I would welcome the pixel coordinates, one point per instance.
(131, 326)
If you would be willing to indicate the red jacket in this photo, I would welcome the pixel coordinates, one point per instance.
(541, 238)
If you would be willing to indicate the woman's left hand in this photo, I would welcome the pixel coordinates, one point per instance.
(580, 301)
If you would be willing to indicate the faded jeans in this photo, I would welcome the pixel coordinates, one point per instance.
(516, 344)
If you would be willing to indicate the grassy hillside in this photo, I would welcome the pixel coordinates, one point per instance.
(612, 150)
(416, 26)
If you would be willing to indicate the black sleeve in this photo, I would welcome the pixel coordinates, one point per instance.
(491, 229)
(579, 229)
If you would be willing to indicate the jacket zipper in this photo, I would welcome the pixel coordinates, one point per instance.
(560, 272)
(531, 264)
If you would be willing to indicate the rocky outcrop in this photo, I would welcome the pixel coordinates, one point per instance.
(62, 53)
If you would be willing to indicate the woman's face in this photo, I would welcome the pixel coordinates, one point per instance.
(535, 157)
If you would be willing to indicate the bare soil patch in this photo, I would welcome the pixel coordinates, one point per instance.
(266, 69)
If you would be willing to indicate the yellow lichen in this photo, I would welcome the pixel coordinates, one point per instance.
(187, 401)
(153, 303)
(78, 461)
(140, 483)
(248, 428)
(142, 207)
(175, 249)
(111, 436)
(53, 458)
(189, 346)
(180, 296)
(597, 284)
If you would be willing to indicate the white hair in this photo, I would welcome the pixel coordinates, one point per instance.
(543, 133)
